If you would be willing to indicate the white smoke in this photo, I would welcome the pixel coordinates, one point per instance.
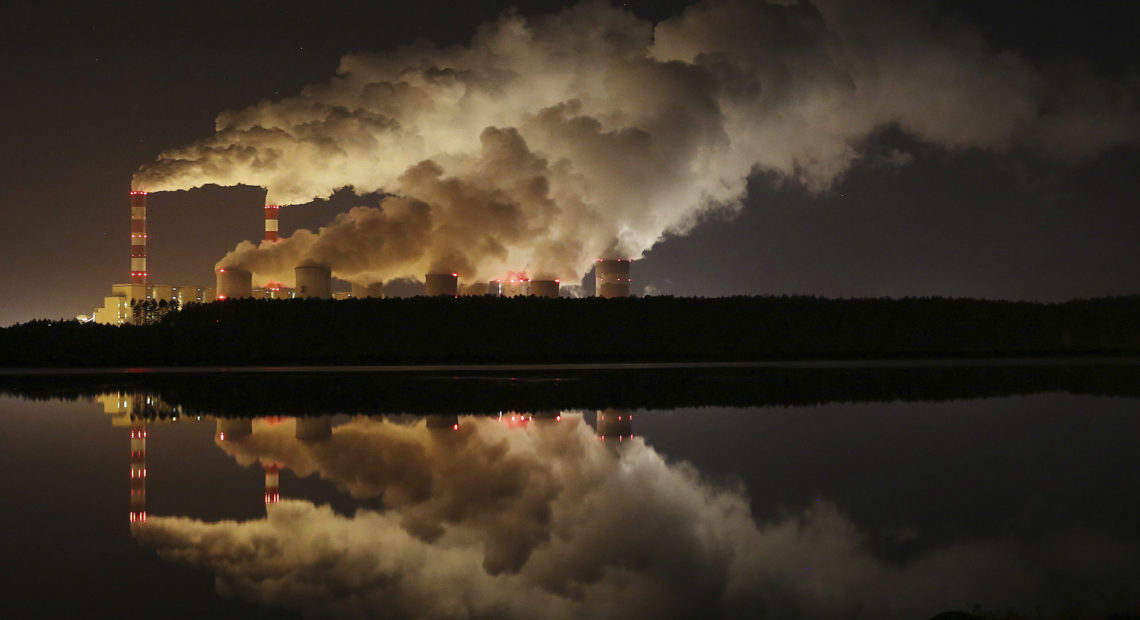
(551, 141)
(490, 521)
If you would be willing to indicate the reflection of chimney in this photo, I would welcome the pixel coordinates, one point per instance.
(612, 277)
(138, 472)
(138, 237)
(271, 222)
(272, 493)
(436, 284)
(615, 424)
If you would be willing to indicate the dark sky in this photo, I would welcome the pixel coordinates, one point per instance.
(91, 92)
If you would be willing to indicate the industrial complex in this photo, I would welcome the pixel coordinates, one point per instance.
(311, 280)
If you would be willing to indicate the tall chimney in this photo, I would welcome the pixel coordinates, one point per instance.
(138, 237)
(271, 222)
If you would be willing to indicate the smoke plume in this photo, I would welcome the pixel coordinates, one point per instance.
(548, 142)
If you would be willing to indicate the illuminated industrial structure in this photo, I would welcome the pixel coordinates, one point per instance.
(544, 288)
(234, 283)
(612, 277)
(313, 282)
(441, 284)
(116, 308)
(361, 291)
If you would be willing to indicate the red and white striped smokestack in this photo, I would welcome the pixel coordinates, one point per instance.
(272, 492)
(271, 222)
(138, 473)
(138, 237)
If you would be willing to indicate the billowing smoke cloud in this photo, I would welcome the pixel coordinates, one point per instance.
(551, 141)
(549, 522)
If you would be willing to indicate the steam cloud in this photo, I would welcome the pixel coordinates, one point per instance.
(548, 522)
(552, 141)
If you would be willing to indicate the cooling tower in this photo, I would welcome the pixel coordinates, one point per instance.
(442, 284)
(495, 288)
(544, 288)
(234, 283)
(138, 238)
(376, 289)
(271, 222)
(313, 281)
(612, 277)
(514, 288)
(474, 289)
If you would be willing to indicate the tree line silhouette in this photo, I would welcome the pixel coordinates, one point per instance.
(422, 330)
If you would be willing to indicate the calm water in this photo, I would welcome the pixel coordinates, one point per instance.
(836, 510)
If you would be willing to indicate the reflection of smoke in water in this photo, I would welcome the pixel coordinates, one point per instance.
(551, 141)
(544, 520)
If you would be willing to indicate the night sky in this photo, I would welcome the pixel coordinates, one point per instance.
(92, 92)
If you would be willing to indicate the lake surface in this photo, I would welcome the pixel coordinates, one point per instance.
(819, 492)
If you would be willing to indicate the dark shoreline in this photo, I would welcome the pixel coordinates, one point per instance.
(299, 392)
(481, 330)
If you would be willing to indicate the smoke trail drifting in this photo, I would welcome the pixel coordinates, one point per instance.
(551, 141)
(549, 522)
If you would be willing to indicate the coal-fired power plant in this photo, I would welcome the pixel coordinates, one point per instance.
(234, 283)
(612, 277)
(375, 289)
(271, 222)
(138, 238)
(436, 284)
(313, 281)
